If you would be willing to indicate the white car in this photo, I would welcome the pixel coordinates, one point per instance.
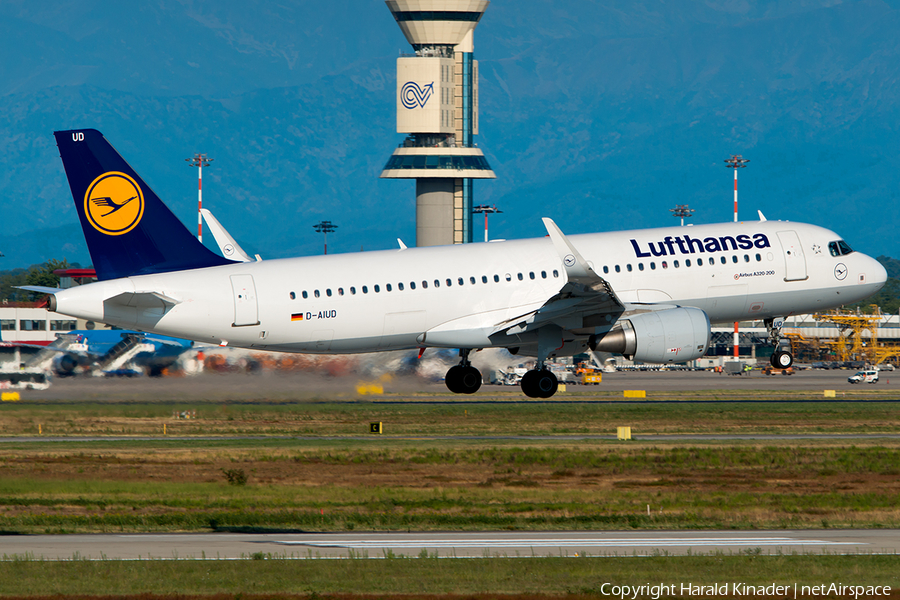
(864, 377)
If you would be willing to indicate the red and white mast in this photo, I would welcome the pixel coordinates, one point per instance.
(199, 161)
(736, 162)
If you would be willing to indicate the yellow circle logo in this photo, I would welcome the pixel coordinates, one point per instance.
(114, 203)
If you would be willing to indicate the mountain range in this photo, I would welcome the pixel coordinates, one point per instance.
(601, 114)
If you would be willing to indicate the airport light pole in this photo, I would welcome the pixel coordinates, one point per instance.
(681, 210)
(486, 209)
(736, 162)
(199, 161)
(325, 227)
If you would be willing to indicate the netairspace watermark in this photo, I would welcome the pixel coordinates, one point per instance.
(741, 590)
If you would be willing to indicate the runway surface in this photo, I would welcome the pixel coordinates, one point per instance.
(305, 387)
(231, 546)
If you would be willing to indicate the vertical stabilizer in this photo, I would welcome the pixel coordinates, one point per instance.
(129, 231)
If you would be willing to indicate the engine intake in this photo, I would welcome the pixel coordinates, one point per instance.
(670, 335)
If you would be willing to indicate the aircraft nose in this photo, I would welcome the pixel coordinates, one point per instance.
(876, 273)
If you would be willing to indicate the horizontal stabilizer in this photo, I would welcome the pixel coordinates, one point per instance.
(40, 289)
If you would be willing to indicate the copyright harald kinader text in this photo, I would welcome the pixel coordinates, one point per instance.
(740, 590)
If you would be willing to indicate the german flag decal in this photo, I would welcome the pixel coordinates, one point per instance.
(297, 317)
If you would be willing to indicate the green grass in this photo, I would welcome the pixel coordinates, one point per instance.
(457, 418)
(301, 485)
(417, 577)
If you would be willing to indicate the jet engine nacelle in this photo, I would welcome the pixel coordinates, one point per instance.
(669, 335)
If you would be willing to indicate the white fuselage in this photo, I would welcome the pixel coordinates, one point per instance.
(454, 296)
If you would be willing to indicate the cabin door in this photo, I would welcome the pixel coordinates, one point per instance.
(794, 260)
(246, 311)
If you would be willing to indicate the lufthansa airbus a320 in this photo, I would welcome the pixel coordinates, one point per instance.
(647, 294)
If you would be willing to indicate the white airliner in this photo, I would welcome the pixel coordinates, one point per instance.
(648, 294)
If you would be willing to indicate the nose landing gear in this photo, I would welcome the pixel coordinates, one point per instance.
(781, 359)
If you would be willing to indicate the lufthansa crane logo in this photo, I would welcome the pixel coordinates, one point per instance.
(840, 271)
(113, 203)
(412, 96)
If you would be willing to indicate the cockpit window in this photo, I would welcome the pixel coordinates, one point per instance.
(839, 248)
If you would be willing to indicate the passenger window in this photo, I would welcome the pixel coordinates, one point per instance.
(388, 287)
(734, 258)
(640, 266)
(412, 285)
(652, 266)
(675, 263)
(437, 283)
(472, 280)
(687, 262)
(316, 293)
(520, 277)
(484, 279)
(460, 281)
(746, 258)
(399, 287)
(340, 291)
(665, 265)
(376, 288)
(424, 285)
(628, 267)
(722, 260)
(758, 258)
(293, 296)
(449, 282)
(328, 292)
(365, 290)
(496, 279)
(605, 270)
(531, 275)
(544, 273)
(618, 269)
(508, 277)
(352, 291)
(555, 273)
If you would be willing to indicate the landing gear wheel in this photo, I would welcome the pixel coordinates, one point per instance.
(463, 380)
(782, 360)
(453, 378)
(539, 384)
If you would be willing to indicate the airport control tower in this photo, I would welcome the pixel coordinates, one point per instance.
(437, 107)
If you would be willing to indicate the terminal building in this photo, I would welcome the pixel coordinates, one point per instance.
(437, 109)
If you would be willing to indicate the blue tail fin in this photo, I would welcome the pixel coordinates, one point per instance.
(129, 231)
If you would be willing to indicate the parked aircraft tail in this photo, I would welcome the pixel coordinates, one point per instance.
(129, 231)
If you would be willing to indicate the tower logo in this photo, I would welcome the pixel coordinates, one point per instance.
(412, 96)
(113, 203)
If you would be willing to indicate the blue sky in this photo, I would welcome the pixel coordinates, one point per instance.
(601, 115)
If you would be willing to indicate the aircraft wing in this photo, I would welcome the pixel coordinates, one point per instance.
(585, 294)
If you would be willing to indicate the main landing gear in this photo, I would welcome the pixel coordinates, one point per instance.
(781, 359)
(463, 378)
(539, 383)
